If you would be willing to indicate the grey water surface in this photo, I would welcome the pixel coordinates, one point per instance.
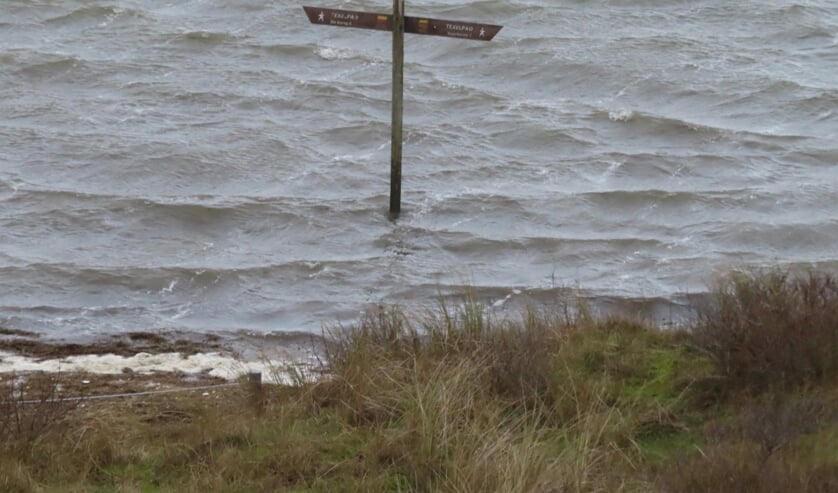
(223, 165)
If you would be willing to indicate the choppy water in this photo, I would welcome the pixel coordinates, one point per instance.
(216, 165)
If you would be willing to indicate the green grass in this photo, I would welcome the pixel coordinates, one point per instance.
(455, 400)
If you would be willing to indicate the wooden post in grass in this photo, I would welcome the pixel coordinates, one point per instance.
(257, 397)
(399, 24)
(254, 380)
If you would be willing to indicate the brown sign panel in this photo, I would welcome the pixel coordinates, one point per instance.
(349, 18)
(414, 25)
(450, 29)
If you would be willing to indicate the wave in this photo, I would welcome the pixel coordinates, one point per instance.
(197, 208)
(303, 51)
(824, 99)
(359, 95)
(642, 3)
(811, 237)
(655, 123)
(476, 247)
(284, 49)
(334, 53)
(358, 132)
(204, 97)
(786, 89)
(535, 136)
(51, 64)
(678, 309)
(433, 88)
(814, 157)
(207, 37)
(662, 125)
(80, 312)
(96, 13)
(799, 9)
(516, 301)
(667, 198)
(163, 280)
(6, 187)
(815, 32)
(490, 11)
(8, 58)
(672, 42)
(99, 209)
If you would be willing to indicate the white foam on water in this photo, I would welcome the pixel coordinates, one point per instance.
(622, 115)
(213, 364)
(330, 53)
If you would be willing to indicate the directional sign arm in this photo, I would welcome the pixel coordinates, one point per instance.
(349, 18)
(450, 29)
(413, 25)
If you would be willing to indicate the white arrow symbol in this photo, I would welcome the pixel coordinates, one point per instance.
(321, 17)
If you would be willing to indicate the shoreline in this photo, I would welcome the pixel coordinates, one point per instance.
(673, 309)
(170, 355)
(181, 355)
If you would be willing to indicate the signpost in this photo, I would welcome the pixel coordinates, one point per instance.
(399, 24)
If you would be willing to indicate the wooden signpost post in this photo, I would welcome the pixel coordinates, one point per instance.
(399, 24)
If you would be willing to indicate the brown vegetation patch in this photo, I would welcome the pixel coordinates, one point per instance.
(741, 469)
(28, 409)
(770, 329)
(120, 344)
(73, 385)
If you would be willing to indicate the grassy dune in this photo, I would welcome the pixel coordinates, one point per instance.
(453, 400)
